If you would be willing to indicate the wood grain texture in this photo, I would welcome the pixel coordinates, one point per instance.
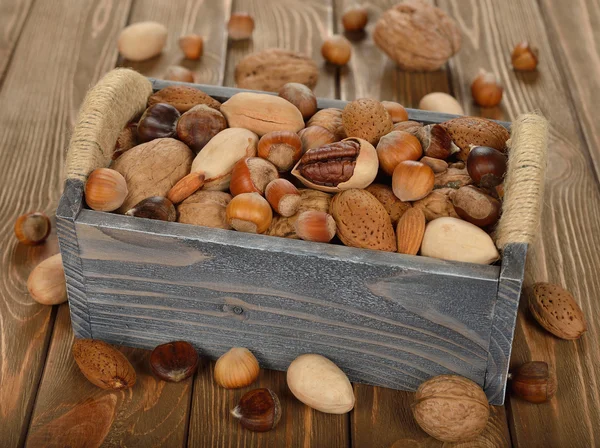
(71, 411)
(570, 231)
(44, 83)
(203, 17)
(291, 25)
(12, 18)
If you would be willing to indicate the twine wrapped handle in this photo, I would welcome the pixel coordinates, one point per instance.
(107, 108)
(524, 182)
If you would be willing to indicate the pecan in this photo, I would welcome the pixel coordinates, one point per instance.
(331, 164)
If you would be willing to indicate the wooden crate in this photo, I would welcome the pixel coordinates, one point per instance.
(386, 319)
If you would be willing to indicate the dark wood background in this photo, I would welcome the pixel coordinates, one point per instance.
(52, 51)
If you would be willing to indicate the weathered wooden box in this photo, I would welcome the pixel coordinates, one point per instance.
(386, 319)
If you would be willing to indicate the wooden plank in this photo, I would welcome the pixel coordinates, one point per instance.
(298, 26)
(570, 232)
(43, 86)
(206, 18)
(71, 411)
(13, 15)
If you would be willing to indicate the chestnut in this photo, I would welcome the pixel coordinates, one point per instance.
(198, 125)
(105, 190)
(192, 46)
(336, 50)
(158, 121)
(396, 147)
(283, 196)
(476, 207)
(258, 410)
(32, 228)
(534, 382)
(315, 136)
(412, 180)
(155, 207)
(249, 212)
(282, 148)
(174, 361)
(315, 225)
(252, 175)
(240, 26)
(486, 166)
(301, 97)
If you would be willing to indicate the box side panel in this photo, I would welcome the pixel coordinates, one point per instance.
(384, 323)
(503, 324)
(68, 209)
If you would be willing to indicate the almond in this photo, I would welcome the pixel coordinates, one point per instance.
(362, 221)
(367, 119)
(187, 186)
(103, 365)
(410, 230)
(183, 98)
(467, 131)
(556, 310)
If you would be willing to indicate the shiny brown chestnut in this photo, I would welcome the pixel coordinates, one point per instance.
(155, 207)
(475, 206)
(258, 410)
(534, 382)
(32, 228)
(174, 361)
(486, 166)
(158, 121)
(198, 125)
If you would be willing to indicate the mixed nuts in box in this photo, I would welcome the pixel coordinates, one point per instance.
(365, 176)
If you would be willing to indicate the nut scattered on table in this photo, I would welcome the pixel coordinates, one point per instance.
(32, 228)
(524, 57)
(441, 102)
(103, 365)
(174, 361)
(178, 73)
(355, 18)
(337, 50)
(46, 283)
(258, 410)
(237, 368)
(534, 381)
(240, 26)
(192, 46)
(142, 40)
(486, 89)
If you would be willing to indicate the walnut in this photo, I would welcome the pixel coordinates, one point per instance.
(453, 178)
(417, 35)
(271, 69)
(205, 208)
(437, 204)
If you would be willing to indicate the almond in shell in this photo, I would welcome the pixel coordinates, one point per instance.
(103, 365)
(467, 131)
(183, 98)
(362, 221)
(556, 310)
(410, 230)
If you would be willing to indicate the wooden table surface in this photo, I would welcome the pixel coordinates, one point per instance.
(52, 51)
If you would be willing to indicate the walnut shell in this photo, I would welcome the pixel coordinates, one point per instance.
(394, 206)
(437, 204)
(309, 200)
(362, 221)
(367, 119)
(205, 208)
(451, 408)
(271, 69)
(417, 35)
(330, 119)
(152, 168)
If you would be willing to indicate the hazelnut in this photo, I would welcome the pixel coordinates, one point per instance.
(249, 212)
(396, 147)
(240, 26)
(283, 196)
(524, 57)
(185, 187)
(252, 174)
(486, 89)
(105, 190)
(437, 165)
(315, 225)
(534, 382)
(486, 166)
(178, 73)
(300, 96)
(174, 361)
(46, 283)
(409, 126)
(192, 46)
(441, 102)
(412, 180)
(236, 368)
(158, 121)
(198, 125)
(155, 207)
(282, 148)
(436, 141)
(476, 207)
(336, 50)
(32, 228)
(258, 410)
(394, 206)
(367, 119)
(397, 111)
(355, 18)
(315, 136)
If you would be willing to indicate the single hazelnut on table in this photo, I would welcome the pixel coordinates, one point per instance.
(249, 212)
(355, 18)
(158, 121)
(524, 57)
(534, 382)
(476, 207)
(105, 190)
(397, 111)
(412, 180)
(258, 410)
(315, 136)
(301, 97)
(437, 165)
(32, 228)
(436, 141)
(396, 147)
(283, 196)
(282, 148)
(198, 125)
(155, 207)
(237, 368)
(192, 46)
(240, 26)
(486, 166)
(315, 225)
(178, 73)
(252, 175)
(174, 361)
(46, 283)
(185, 187)
(336, 50)
(486, 89)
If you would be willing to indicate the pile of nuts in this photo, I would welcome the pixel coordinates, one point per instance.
(365, 176)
